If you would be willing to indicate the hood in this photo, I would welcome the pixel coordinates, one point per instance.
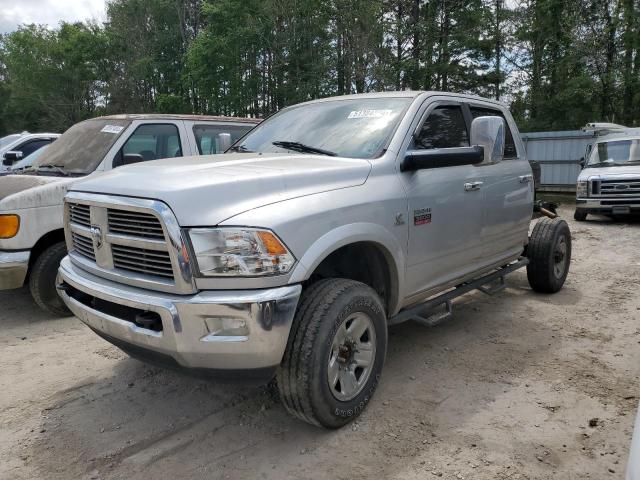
(205, 190)
(29, 191)
(610, 172)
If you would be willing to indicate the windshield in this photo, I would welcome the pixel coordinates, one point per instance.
(81, 148)
(29, 159)
(4, 141)
(616, 152)
(355, 128)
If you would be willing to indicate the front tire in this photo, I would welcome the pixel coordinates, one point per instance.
(579, 215)
(549, 253)
(335, 353)
(42, 280)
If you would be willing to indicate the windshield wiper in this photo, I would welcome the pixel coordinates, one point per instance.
(58, 168)
(301, 147)
(239, 148)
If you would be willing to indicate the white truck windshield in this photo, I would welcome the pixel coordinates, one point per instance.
(615, 152)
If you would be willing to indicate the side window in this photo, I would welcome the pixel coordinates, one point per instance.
(510, 150)
(154, 141)
(30, 147)
(207, 136)
(444, 128)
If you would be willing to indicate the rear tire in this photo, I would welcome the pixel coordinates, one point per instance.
(42, 280)
(549, 253)
(579, 215)
(335, 353)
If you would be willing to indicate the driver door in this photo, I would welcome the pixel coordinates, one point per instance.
(446, 205)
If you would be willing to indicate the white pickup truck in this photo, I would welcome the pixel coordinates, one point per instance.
(31, 234)
(292, 254)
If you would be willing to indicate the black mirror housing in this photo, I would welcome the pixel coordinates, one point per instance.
(444, 157)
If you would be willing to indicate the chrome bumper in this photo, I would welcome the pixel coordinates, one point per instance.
(191, 333)
(13, 269)
(609, 205)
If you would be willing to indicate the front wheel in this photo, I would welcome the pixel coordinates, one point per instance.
(42, 280)
(335, 353)
(579, 215)
(549, 253)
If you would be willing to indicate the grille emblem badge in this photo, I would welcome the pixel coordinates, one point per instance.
(622, 187)
(96, 235)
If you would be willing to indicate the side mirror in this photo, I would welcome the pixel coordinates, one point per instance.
(127, 159)
(441, 157)
(224, 141)
(488, 132)
(10, 157)
(582, 162)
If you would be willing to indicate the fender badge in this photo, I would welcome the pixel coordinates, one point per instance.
(422, 216)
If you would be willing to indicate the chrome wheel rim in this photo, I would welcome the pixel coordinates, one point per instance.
(352, 356)
(560, 257)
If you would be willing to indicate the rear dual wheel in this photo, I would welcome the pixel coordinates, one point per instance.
(335, 353)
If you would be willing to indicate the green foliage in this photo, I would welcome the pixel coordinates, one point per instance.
(559, 63)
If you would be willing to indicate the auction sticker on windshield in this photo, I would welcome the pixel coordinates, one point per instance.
(112, 129)
(369, 113)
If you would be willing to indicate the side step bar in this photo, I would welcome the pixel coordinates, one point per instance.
(417, 312)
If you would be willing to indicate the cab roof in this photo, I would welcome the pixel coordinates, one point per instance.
(164, 116)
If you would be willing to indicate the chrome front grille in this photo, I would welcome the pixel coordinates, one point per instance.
(79, 214)
(84, 246)
(150, 262)
(137, 224)
(133, 241)
(617, 188)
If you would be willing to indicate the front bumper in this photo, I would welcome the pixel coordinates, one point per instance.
(13, 269)
(608, 205)
(188, 336)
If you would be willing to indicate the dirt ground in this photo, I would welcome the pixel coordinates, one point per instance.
(504, 390)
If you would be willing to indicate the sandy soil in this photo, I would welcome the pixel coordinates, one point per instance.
(504, 390)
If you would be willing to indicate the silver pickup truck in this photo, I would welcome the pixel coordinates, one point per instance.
(31, 234)
(291, 256)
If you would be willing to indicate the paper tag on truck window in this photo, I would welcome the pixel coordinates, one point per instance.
(112, 129)
(369, 113)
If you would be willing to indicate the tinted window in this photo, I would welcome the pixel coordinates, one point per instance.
(207, 136)
(30, 147)
(510, 150)
(444, 128)
(154, 141)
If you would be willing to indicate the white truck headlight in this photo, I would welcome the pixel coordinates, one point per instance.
(582, 189)
(240, 252)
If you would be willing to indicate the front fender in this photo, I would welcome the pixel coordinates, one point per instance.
(348, 234)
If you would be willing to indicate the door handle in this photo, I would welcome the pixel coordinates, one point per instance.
(525, 178)
(472, 186)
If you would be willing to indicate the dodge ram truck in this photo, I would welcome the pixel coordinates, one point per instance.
(31, 234)
(291, 255)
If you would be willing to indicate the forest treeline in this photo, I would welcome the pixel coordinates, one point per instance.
(558, 63)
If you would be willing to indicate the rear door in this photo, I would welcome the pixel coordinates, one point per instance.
(445, 215)
(508, 188)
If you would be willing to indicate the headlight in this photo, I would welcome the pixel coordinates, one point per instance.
(9, 226)
(242, 252)
(582, 189)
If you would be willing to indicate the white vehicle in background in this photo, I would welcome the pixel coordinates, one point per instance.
(14, 148)
(31, 234)
(609, 183)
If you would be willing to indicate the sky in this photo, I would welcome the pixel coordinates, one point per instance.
(49, 12)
